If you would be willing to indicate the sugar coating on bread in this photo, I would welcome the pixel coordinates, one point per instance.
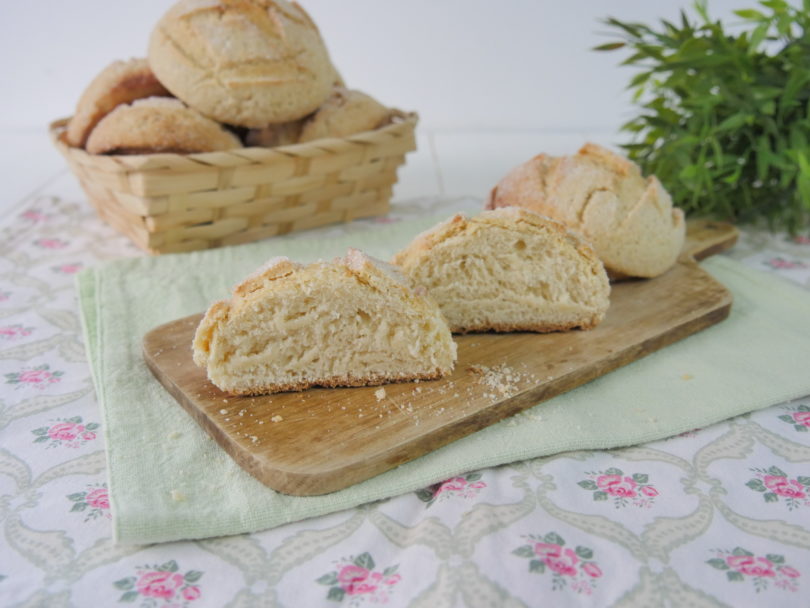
(345, 112)
(628, 219)
(354, 321)
(158, 124)
(242, 62)
(119, 83)
(508, 269)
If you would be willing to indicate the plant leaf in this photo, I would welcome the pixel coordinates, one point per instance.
(609, 46)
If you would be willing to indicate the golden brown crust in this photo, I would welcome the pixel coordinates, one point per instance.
(246, 63)
(271, 136)
(339, 381)
(119, 83)
(275, 268)
(372, 274)
(344, 113)
(158, 124)
(512, 218)
(528, 327)
(629, 220)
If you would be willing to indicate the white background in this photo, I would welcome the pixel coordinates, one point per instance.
(494, 82)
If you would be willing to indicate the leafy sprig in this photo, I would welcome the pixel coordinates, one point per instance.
(724, 117)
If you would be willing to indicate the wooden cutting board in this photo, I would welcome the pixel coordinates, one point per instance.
(322, 440)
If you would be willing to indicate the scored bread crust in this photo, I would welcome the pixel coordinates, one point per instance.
(158, 124)
(119, 83)
(628, 219)
(243, 62)
(345, 112)
(371, 273)
(515, 219)
(337, 382)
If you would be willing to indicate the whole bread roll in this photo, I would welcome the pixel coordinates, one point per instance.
(629, 220)
(346, 112)
(508, 269)
(120, 82)
(242, 62)
(158, 124)
(354, 321)
(282, 134)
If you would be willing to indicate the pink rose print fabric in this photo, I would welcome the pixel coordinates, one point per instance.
(740, 565)
(624, 490)
(799, 418)
(51, 243)
(38, 377)
(94, 502)
(567, 567)
(34, 215)
(160, 586)
(777, 486)
(357, 580)
(466, 487)
(68, 268)
(780, 263)
(68, 432)
(14, 332)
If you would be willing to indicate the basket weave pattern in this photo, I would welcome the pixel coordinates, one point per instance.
(181, 202)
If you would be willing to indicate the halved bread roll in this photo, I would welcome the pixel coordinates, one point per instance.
(351, 322)
(508, 269)
(628, 219)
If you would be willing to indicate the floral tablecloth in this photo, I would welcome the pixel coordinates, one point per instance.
(718, 516)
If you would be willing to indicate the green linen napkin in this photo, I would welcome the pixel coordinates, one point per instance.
(170, 481)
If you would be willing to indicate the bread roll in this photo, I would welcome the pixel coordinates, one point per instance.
(158, 124)
(119, 83)
(351, 322)
(242, 62)
(508, 269)
(629, 220)
(283, 134)
(346, 112)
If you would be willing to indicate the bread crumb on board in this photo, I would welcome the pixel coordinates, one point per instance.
(501, 378)
(380, 394)
(276, 418)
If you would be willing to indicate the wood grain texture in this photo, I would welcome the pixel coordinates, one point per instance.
(322, 440)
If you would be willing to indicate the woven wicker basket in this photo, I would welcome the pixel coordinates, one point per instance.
(181, 202)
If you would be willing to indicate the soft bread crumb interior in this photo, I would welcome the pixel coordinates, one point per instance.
(506, 279)
(327, 326)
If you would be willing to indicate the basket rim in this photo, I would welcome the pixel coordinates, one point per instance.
(58, 127)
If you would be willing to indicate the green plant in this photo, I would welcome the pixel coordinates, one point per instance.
(724, 111)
